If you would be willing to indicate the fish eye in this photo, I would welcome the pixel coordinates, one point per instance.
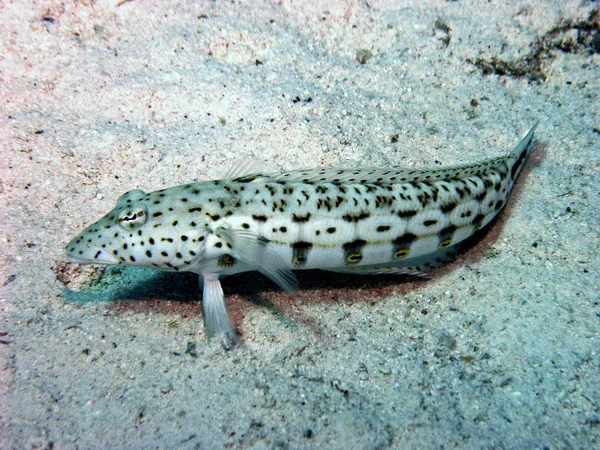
(132, 218)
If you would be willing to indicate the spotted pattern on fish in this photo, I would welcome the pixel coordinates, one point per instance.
(351, 220)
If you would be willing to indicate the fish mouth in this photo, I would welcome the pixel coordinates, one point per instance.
(92, 255)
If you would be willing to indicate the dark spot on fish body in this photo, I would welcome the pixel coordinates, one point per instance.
(519, 163)
(402, 245)
(480, 196)
(300, 245)
(259, 218)
(299, 260)
(383, 228)
(299, 252)
(446, 236)
(354, 258)
(353, 251)
(300, 219)
(449, 207)
(407, 213)
(354, 218)
(478, 221)
(401, 253)
(324, 202)
(226, 261)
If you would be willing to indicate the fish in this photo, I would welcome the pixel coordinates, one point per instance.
(359, 221)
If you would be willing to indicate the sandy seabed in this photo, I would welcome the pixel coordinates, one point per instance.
(500, 349)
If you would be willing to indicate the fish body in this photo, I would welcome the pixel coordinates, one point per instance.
(363, 221)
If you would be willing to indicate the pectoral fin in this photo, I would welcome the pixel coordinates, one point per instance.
(255, 252)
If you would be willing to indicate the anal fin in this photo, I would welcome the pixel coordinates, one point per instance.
(379, 269)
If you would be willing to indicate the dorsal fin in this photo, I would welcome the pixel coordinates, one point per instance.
(243, 168)
(389, 175)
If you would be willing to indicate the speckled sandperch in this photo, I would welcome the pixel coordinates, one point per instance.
(362, 221)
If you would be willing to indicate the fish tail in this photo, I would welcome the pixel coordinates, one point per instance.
(521, 151)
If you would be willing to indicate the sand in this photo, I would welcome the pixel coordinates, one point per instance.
(499, 349)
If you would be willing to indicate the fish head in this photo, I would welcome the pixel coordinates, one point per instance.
(136, 233)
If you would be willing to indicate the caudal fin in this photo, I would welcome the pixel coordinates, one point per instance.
(521, 152)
